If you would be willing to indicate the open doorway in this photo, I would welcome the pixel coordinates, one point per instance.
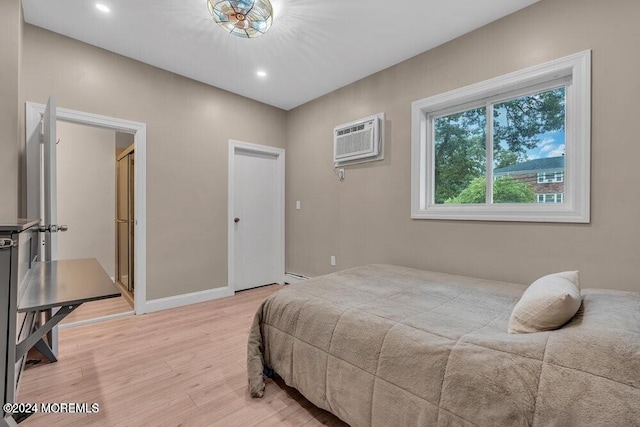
(134, 131)
(89, 204)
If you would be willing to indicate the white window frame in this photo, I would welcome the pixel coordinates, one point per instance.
(575, 70)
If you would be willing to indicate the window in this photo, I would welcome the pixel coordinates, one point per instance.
(546, 177)
(491, 150)
(550, 198)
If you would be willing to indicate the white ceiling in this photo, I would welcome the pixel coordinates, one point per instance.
(313, 47)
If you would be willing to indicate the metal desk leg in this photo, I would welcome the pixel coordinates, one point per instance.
(8, 421)
(45, 350)
(51, 344)
(33, 339)
(48, 314)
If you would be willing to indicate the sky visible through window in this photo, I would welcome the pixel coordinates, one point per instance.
(551, 145)
(538, 117)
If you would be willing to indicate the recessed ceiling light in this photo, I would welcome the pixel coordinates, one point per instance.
(102, 8)
(261, 73)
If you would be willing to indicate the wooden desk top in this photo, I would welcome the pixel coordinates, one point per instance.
(66, 282)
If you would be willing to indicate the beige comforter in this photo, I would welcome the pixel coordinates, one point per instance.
(391, 346)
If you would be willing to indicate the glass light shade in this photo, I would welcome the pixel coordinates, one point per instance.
(243, 18)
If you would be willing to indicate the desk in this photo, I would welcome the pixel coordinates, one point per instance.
(27, 290)
(65, 284)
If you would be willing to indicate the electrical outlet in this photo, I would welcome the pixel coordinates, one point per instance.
(298, 205)
(333, 260)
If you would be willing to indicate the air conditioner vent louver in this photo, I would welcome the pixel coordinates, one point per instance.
(351, 129)
(359, 141)
(354, 142)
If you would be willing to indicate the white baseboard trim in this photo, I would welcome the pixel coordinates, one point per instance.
(187, 299)
(294, 278)
(96, 320)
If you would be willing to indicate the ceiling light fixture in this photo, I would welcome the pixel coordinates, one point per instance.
(277, 8)
(242, 18)
(261, 73)
(102, 8)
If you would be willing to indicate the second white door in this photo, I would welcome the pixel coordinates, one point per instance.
(257, 225)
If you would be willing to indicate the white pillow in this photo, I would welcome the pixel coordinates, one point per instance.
(548, 303)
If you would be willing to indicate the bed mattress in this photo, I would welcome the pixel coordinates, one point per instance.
(384, 345)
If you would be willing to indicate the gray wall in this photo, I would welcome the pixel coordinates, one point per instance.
(366, 218)
(188, 128)
(10, 113)
(124, 140)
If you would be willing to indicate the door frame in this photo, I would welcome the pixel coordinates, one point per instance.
(279, 154)
(33, 116)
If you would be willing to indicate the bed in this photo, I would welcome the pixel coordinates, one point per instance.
(384, 345)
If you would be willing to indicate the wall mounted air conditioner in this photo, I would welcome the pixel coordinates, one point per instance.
(359, 141)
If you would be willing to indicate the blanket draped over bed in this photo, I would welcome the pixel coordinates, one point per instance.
(391, 346)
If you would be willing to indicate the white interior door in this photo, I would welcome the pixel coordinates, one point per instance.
(257, 219)
(50, 195)
(50, 182)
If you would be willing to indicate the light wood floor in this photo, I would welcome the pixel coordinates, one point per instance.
(181, 367)
(95, 309)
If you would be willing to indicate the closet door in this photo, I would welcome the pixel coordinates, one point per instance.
(257, 230)
(125, 219)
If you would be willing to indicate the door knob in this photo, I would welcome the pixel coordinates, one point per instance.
(236, 220)
(52, 228)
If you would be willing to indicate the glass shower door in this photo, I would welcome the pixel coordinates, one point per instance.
(125, 220)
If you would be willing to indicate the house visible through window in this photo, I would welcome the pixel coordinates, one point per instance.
(498, 149)
(550, 198)
(544, 176)
(550, 177)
